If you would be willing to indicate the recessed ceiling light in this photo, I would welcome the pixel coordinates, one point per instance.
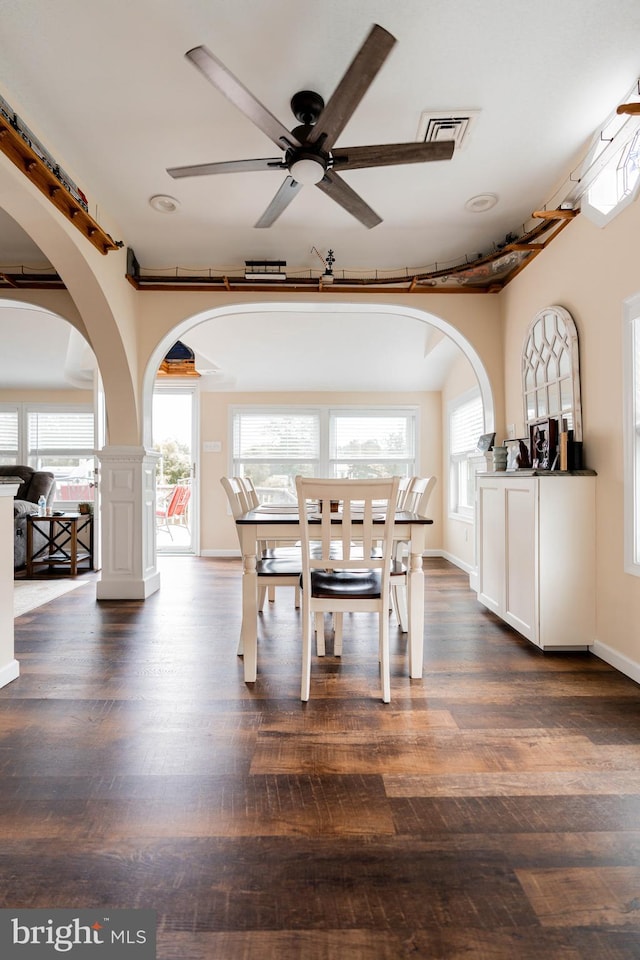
(163, 203)
(481, 203)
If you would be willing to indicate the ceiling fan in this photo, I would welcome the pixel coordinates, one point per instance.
(309, 154)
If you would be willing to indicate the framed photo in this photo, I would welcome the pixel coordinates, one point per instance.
(544, 444)
(517, 454)
(485, 443)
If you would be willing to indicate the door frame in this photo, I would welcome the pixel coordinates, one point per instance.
(187, 387)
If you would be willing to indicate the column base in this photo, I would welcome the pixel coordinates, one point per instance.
(127, 589)
(10, 671)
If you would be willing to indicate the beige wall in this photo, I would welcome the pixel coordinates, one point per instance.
(47, 396)
(590, 272)
(218, 535)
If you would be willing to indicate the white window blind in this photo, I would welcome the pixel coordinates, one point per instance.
(373, 436)
(52, 431)
(275, 436)
(466, 426)
(9, 432)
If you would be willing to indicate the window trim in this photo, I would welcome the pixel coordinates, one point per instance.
(631, 437)
(455, 511)
(629, 139)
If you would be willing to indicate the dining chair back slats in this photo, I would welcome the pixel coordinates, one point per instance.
(273, 568)
(347, 550)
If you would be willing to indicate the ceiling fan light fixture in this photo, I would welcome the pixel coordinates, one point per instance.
(307, 171)
(162, 203)
(481, 203)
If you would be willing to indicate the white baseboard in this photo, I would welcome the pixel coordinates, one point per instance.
(462, 564)
(224, 554)
(621, 662)
(10, 671)
(127, 589)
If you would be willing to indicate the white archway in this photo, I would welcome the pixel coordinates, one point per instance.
(218, 313)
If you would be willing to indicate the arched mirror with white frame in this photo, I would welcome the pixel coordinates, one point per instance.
(551, 370)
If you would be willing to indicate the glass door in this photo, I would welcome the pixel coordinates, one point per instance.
(175, 422)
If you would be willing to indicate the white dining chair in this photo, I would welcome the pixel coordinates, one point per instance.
(346, 559)
(416, 498)
(275, 568)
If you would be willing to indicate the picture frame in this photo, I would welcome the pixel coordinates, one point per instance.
(486, 441)
(518, 453)
(543, 444)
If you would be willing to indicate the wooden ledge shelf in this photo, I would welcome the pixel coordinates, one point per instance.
(20, 153)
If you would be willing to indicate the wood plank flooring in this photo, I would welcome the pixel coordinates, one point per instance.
(491, 811)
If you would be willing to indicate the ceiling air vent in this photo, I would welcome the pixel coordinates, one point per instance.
(447, 125)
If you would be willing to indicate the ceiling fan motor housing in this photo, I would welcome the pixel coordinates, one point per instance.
(307, 106)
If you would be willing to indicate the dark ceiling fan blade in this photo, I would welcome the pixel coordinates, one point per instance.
(280, 202)
(631, 108)
(336, 188)
(226, 166)
(224, 81)
(352, 88)
(388, 154)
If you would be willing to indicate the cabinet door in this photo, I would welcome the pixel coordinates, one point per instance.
(521, 556)
(490, 544)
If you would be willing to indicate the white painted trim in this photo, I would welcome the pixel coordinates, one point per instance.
(127, 589)
(223, 554)
(456, 561)
(431, 319)
(10, 671)
(631, 315)
(624, 664)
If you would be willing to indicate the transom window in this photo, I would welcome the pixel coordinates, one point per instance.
(272, 445)
(616, 185)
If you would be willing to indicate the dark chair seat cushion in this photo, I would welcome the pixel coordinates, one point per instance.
(356, 584)
(291, 567)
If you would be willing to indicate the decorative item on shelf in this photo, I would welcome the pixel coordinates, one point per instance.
(86, 508)
(544, 444)
(569, 451)
(499, 458)
(517, 454)
(486, 441)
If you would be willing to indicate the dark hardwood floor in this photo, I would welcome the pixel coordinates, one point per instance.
(491, 811)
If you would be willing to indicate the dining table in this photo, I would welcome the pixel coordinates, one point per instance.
(267, 524)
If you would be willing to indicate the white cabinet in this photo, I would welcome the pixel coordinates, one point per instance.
(536, 555)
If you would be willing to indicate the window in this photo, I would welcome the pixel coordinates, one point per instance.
(466, 425)
(632, 436)
(9, 435)
(272, 445)
(372, 444)
(616, 185)
(55, 438)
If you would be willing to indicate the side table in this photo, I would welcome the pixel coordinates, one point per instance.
(68, 541)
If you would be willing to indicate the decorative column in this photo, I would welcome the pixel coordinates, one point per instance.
(127, 514)
(9, 666)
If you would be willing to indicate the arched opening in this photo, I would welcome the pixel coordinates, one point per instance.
(438, 336)
(49, 410)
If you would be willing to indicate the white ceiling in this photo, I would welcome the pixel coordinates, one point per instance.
(107, 89)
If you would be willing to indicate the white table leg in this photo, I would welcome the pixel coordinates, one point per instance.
(248, 645)
(415, 589)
